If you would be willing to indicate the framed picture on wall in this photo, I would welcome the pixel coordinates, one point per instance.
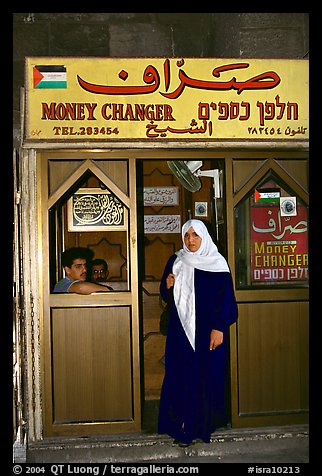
(93, 209)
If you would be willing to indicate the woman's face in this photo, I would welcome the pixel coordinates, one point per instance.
(192, 240)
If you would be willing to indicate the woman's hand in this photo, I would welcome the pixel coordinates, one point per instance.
(216, 339)
(170, 280)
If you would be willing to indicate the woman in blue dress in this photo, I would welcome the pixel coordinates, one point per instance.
(193, 400)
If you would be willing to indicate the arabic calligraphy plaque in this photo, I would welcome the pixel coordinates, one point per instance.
(95, 210)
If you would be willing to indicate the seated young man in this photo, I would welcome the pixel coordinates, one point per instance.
(74, 262)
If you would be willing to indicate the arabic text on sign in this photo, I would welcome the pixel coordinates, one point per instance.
(151, 78)
(154, 99)
(162, 224)
(160, 196)
(281, 226)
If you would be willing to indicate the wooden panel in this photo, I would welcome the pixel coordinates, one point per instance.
(159, 247)
(272, 342)
(91, 352)
(58, 171)
(153, 366)
(242, 170)
(117, 171)
(154, 342)
(298, 169)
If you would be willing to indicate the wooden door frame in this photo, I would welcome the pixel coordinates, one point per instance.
(189, 152)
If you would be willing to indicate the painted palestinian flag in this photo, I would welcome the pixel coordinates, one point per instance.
(50, 77)
(267, 195)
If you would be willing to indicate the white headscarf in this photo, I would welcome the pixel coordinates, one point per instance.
(206, 258)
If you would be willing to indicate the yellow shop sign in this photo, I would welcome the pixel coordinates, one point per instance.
(165, 99)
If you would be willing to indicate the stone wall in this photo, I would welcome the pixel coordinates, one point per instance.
(249, 35)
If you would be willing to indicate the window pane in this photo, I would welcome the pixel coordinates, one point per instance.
(271, 227)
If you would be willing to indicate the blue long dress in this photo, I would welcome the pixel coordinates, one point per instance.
(193, 400)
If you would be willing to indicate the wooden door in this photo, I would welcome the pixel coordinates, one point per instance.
(270, 341)
(90, 343)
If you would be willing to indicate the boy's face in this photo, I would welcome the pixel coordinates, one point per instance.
(78, 270)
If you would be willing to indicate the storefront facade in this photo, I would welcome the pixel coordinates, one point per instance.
(93, 171)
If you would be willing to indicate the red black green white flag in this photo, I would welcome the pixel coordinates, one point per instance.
(267, 195)
(50, 77)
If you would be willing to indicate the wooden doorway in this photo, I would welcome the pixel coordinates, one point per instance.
(164, 205)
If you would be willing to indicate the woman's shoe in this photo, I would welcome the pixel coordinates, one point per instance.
(180, 443)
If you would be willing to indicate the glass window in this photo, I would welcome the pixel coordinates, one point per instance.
(271, 229)
(90, 216)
